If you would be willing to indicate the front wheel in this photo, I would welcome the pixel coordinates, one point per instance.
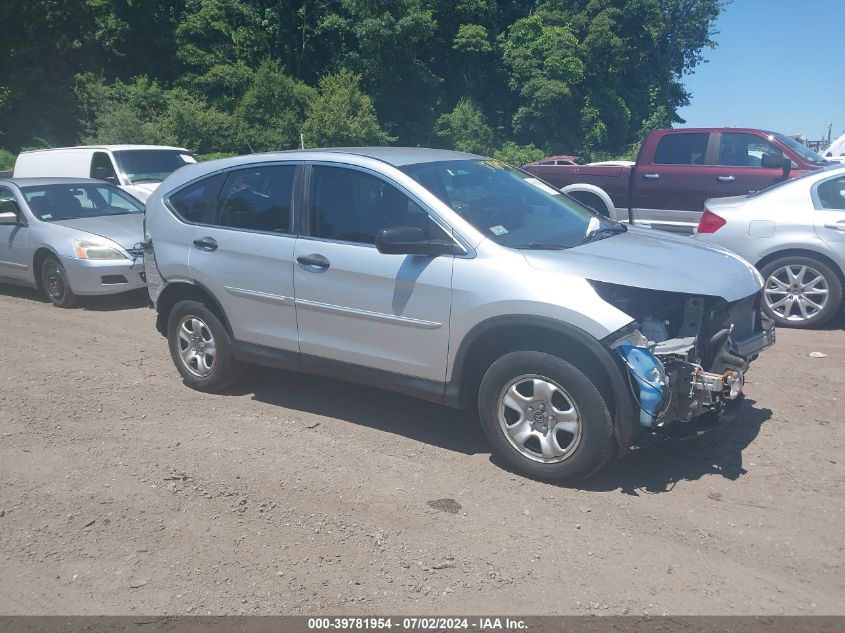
(201, 348)
(800, 291)
(56, 285)
(545, 417)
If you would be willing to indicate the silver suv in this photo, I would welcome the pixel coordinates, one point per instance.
(457, 279)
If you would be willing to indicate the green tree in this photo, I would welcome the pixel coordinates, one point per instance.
(271, 113)
(517, 155)
(465, 128)
(342, 114)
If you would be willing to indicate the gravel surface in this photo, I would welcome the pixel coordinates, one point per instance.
(124, 492)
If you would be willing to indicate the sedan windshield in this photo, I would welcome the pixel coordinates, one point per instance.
(151, 165)
(54, 203)
(509, 206)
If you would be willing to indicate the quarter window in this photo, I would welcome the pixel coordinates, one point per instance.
(257, 199)
(682, 149)
(832, 194)
(352, 206)
(194, 201)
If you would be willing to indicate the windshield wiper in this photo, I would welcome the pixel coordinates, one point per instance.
(139, 180)
(602, 232)
(542, 246)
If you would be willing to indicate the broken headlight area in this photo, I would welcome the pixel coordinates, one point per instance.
(685, 355)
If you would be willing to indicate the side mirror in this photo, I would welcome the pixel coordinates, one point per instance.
(771, 161)
(410, 240)
(8, 217)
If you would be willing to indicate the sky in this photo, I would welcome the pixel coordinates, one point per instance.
(779, 65)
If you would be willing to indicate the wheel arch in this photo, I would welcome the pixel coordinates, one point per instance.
(497, 336)
(593, 190)
(41, 253)
(802, 252)
(181, 290)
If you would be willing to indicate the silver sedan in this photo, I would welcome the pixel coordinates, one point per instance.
(70, 237)
(794, 233)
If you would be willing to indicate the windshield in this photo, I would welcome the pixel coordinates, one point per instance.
(802, 150)
(151, 165)
(507, 205)
(53, 203)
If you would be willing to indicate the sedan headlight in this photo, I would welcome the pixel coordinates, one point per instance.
(95, 250)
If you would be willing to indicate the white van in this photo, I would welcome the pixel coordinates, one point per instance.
(137, 169)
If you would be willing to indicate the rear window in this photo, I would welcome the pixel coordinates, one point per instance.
(682, 149)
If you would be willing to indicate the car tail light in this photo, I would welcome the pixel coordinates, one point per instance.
(710, 222)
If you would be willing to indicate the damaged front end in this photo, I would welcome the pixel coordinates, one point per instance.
(685, 355)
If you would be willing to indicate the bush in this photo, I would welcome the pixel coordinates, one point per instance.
(7, 160)
(517, 155)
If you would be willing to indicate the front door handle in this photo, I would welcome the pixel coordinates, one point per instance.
(839, 226)
(726, 178)
(313, 262)
(207, 244)
(651, 176)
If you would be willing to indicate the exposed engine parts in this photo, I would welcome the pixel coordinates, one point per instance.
(683, 361)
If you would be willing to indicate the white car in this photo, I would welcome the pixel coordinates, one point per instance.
(794, 233)
(137, 169)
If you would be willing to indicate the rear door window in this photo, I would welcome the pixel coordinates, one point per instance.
(682, 149)
(257, 199)
(832, 194)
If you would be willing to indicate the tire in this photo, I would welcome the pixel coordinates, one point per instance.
(800, 291)
(193, 331)
(566, 429)
(55, 283)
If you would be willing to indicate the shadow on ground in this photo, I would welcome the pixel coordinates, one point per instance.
(658, 468)
(653, 470)
(422, 421)
(105, 303)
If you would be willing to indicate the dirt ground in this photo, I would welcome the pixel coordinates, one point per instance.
(124, 492)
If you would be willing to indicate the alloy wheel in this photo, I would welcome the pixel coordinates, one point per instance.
(539, 418)
(796, 292)
(197, 348)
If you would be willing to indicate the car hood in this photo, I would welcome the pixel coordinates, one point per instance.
(127, 230)
(141, 190)
(647, 258)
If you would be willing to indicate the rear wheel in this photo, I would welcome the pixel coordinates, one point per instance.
(55, 283)
(800, 291)
(201, 348)
(545, 417)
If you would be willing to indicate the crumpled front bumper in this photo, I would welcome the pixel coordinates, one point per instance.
(104, 277)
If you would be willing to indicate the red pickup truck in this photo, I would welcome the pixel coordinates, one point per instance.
(677, 170)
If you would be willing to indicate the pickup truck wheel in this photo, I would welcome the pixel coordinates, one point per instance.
(800, 291)
(545, 417)
(201, 348)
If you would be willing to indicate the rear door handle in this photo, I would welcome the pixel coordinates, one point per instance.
(651, 176)
(206, 244)
(726, 178)
(313, 262)
(839, 226)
